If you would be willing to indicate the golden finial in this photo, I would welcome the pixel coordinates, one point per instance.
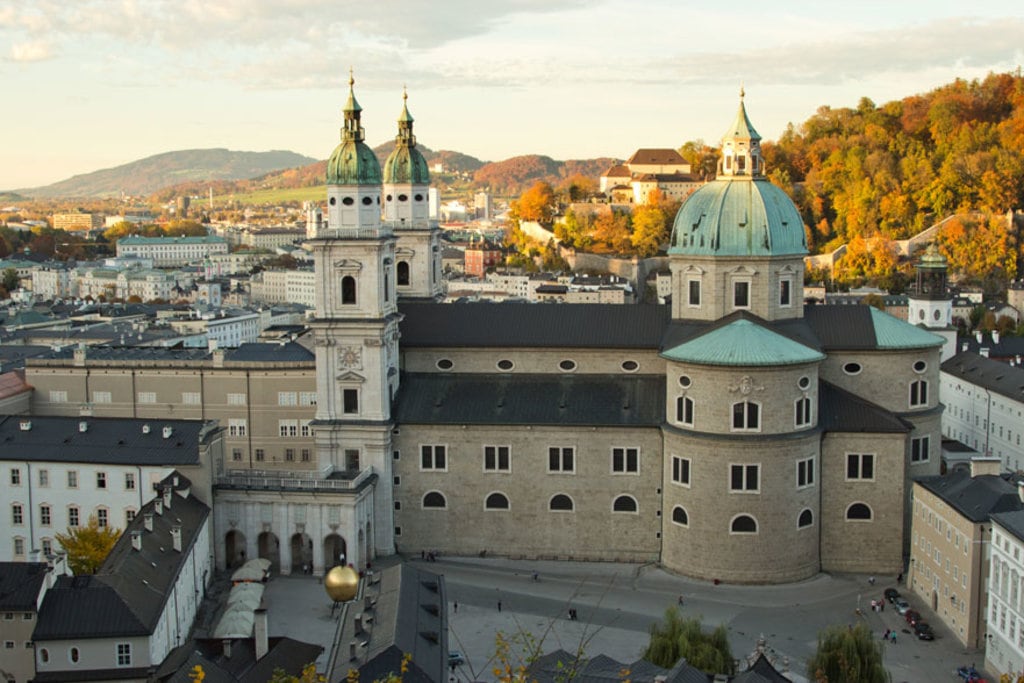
(742, 92)
(405, 94)
(351, 78)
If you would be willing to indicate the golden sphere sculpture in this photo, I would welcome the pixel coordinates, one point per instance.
(341, 584)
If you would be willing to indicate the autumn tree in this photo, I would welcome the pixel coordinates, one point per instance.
(536, 204)
(847, 655)
(612, 231)
(88, 546)
(676, 637)
(575, 229)
(577, 187)
(650, 229)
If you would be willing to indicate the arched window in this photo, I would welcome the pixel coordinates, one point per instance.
(802, 412)
(403, 273)
(44, 656)
(858, 511)
(806, 519)
(73, 655)
(624, 504)
(743, 524)
(679, 516)
(684, 410)
(918, 393)
(561, 503)
(496, 501)
(746, 416)
(348, 290)
(434, 499)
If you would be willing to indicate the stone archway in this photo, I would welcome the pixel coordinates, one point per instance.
(302, 554)
(234, 549)
(269, 548)
(335, 551)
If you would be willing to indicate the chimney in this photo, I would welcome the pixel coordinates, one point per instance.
(978, 335)
(167, 491)
(79, 356)
(137, 540)
(983, 352)
(145, 429)
(352, 650)
(25, 425)
(225, 646)
(33, 555)
(168, 431)
(218, 358)
(83, 426)
(964, 346)
(176, 537)
(158, 505)
(995, 336)
(259, 632)
(147, 521)
(985, 464)
(357, 623)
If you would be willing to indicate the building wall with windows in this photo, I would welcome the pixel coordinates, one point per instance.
(1004, 652)
(23, 587)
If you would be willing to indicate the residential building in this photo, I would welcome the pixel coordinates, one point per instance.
(23, 586)
(52, 281)
(481, 257)
(226, 328)
(77, 221)
(172, 251)
(647, 171)
(284, 286)
(1004, 652)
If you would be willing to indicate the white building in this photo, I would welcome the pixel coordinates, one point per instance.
(52, 281)
(984, 406)
(284, 286)
(172, 251)
(1005, 651)
(227, 328)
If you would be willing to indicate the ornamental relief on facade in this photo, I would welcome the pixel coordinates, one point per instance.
(746, 386)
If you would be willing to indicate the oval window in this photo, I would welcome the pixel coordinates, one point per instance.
(348, 201)
(74, 655)
(938, 314)
(803, 382)
(389, 198)
(403, 197)
(852, 368)
(367, 201)
(334, 201)
(567, 365)
(445, 364)
(920, 314)
(920, 366)
(505, 364)
(630, 365)
(418, 197)
(685, 381)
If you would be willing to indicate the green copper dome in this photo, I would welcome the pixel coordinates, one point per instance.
(406, 164)
(738, 217)
(353, 162)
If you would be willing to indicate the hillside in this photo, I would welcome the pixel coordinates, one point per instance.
(512, 176)
(148, 175)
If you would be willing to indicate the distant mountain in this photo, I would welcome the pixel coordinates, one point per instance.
(453, 162)
(512, 176)
(151, 174)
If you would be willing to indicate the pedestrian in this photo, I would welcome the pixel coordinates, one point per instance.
(899, 578)
(455, 606)
(499, 605)
(680, 600)
(423, 554)
(871, 580)
(893, 636)
(886, 636)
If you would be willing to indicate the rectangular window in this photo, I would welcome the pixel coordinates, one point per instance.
(805, 473)
(561, 459)
(694, 292)
(17, 514)
(101, 480)
(72, 479)
(44, 515)
(352, 459)
(681, 470)
(625, 460)
(287, 428)
(147, 397)
(741, 294)
(237, 426)
(72, 516)
(305, 429)
(129, 515)
(129, 481)
(287, 398)
(289, 454)
(236, 454)
(860, 466)
(919, 395)
(307, 398)
(785, 292)
(744, 478)
(102, 517)
(191, 398)
(102, 397)
(15, 477)
(350, 401)
(803, 412)
(304, 455)
(236, 399)
(58, 396)
(433, 458)
(260, 455)
(497, 459)
(919, 449)
(746, 416)
(44, 478)
(124, 654)
(19, 547)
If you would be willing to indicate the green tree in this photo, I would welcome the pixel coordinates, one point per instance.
(677, 637)
(650, 229)
(847, 655)
(88, 546)
(10, 279)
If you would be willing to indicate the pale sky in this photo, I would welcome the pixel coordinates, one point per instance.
(90, 84)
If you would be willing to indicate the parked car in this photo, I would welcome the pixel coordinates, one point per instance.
(912, 617)
(969, 674)
(455, 659)
(891, 594)
(901, 605)
(923, 631)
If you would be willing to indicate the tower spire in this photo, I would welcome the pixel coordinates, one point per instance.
(353, 129)
(405, 120)
(741, 146)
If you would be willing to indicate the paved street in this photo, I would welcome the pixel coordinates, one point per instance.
(616, 603)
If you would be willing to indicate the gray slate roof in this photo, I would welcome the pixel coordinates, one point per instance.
(118, 441)
(841, 327)
(270, 352)
(841, 411)
(20, 583)
(553, 667)
(1001, 378)
(516, 399)
(284, 653)
(975, 497)
(127, 595)
(1013, 522)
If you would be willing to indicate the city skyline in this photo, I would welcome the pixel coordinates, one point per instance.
(97, 85)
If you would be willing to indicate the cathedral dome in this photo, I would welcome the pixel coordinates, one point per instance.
(406, 164)
(352, 162)
(740, 213)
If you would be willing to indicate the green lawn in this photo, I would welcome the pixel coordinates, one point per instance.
(273, 196)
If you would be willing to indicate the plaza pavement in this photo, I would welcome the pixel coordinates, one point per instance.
(616, 604)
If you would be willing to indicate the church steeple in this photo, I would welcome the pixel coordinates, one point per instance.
(405, 136)
(353, 129)
(741, 147)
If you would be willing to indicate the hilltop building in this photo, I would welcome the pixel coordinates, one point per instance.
(647, 171)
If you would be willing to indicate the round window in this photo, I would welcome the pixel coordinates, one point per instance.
(348, 201)
(630, 365)
(367, 201)
(505, 364)
(418, 197)
(803, 382)
(389, 198)
(685, 381)
(852, 368)
(567, 365)
(920, 366)
(403, 197)
(445, 364)
(333, 201)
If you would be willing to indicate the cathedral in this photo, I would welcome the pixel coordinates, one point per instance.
(736, 434)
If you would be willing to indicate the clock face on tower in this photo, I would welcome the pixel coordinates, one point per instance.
(350, 357)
